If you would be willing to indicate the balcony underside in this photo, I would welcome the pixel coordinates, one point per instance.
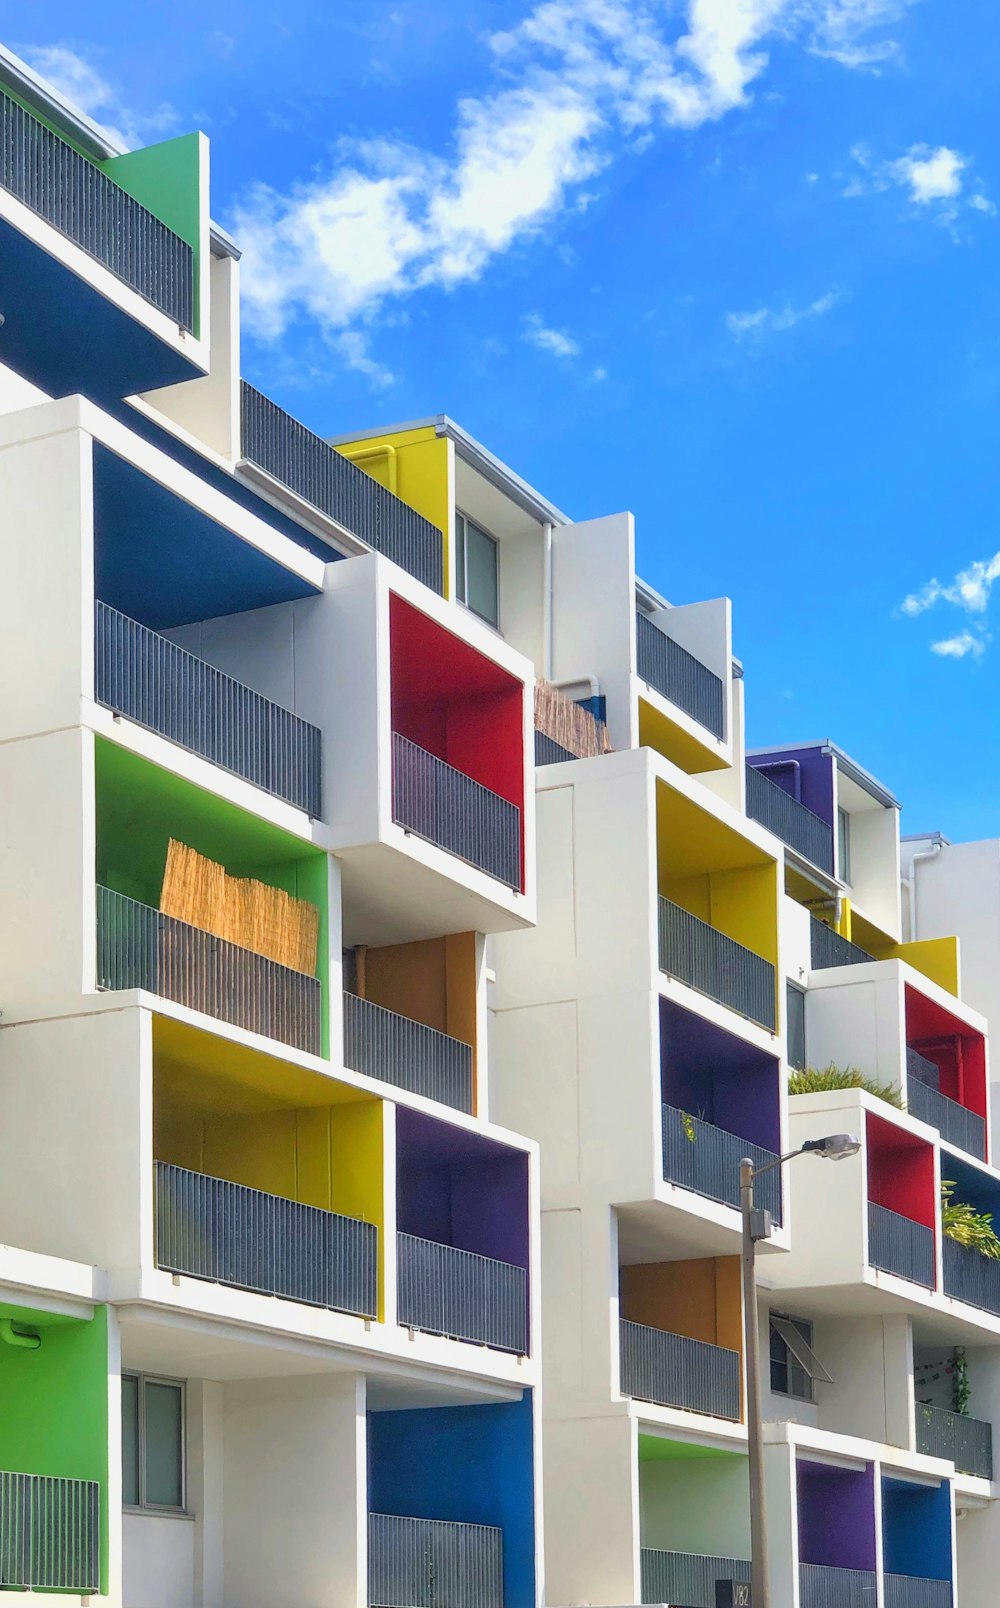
(86, 343)
(393, 898)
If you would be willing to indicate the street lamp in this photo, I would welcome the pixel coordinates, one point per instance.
(757, 1226)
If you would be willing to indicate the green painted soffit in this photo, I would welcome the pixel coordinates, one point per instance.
(656, 1449)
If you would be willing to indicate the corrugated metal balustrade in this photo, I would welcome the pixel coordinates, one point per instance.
(971, 1277)
(675, 673)
(898, 1245)
(687, 1579)
(74, 196)
(677, 1372)
(150, 679)
(443, 805)
(714, 964)
(828, 948)
(907, 1591)
(408, 1054)
(444, 1290)
(429, 1563)
(821, 1586)
(789, 820)
(139, 947)
(966, 1442)
(706, 1159)
(212, 1229)
(50, 1534)
(956, 1123)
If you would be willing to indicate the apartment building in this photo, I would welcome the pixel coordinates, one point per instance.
(400, 948)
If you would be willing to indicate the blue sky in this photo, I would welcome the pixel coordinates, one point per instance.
(731, 264)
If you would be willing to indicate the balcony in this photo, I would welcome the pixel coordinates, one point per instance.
(823, 1587)
(956, 1124)
(898, 1245)
(971, 1277)
(806, 833)
(290, 454)
(712, 963)
(72, 194)
(676, 674)
(463, 1296)
(212, 1229)
(139, 947)
(50, 1534)
(828, 948)
(966, 1442)
(382, 1044)
(549, 752)
(673, 1371)
(706, 1159)
(151, 680)
(909, 1591)
(427, 1563)
(444, 806)
(687, 1577)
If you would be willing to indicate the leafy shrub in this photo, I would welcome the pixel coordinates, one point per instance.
(814, 1081)
(962, 1223)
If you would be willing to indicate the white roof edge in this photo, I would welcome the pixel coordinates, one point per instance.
(478, 457)
(72, 120)
(926, 837)
(845, 763)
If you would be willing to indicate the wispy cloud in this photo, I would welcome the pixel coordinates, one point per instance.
(970, 591)
(933, 179)
(80, 82)
(962, 646)
(571, 87)
(753, 326)
(556, 341)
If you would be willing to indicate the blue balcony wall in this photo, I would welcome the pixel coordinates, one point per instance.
(471, 1465)
(714, 1075)
(461, 1189)
(916, 1529)
(806, 774)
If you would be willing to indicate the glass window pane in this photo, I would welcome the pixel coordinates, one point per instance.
(163, 1448)
(460, 558)
(796, 1003)
(130, 1440)
(481, 573)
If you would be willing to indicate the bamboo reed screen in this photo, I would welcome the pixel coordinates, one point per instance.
(573, 728)
(252, 914)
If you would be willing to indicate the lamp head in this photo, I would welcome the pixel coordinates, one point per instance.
(835, 1147)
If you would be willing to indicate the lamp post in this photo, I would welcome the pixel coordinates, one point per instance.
(757, 1226)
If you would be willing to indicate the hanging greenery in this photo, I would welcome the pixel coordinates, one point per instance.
(814, 1081)
(962, 1223)
(960, 1391)
(687, 1123)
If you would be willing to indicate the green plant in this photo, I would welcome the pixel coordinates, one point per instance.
(687, 1123)
(960, 1389)
(962, 1223)
(815, 1081)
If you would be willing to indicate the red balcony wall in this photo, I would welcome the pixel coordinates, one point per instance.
(900, 1172)
(957, 1052)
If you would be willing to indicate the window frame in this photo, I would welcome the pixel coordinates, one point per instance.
(462, 522)
(844, 845)
(143, 1506)
(805, 1327)
(790, 989)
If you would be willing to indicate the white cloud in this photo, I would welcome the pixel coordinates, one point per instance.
(78, 81)
(844, 32)
(555, 341)
(933, 179)
(961, 646)
(970, 590)
(598, 374)
(573, 84)
(752, 326)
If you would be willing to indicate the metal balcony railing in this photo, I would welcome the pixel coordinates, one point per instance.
(823, 1587)
(443, 805)
(50, 1534)
(150, 679)
(676, 674)
(427, 1563)
(75, 197)
(139, 947)
(212, 1229)
(966, 1442)
(549, 752)
(707, 960)
(687, 1578)
(806, 833)
(322, 476)
(956, 1123)
(407, 1054)
(971, 1277)
(909, 1591)
(444, 1290)
(674, 1371)
(706, 1159)
(828, 948)
(920, 1070)
(898, 1245)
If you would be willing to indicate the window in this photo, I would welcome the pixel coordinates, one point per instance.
(478, 570)
(794, 1363)
(795, 1009)
(844, 845)
(152, 1443)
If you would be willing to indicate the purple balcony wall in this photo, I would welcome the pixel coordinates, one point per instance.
(461, 1189)
(718, 1077)
(805, 773)
(836, 1516)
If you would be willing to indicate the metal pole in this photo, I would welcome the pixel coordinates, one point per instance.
(761, 1596)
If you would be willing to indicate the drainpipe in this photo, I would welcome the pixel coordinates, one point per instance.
(16, 1337)
(547, 600)
(910, 884)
